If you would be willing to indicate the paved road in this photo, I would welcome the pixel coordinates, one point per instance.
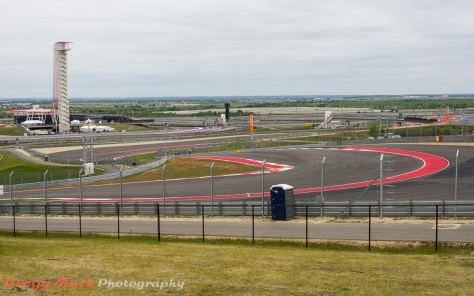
(176, 144)
(269, 229)
(340, 167)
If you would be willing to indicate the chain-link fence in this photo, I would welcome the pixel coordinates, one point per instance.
(253, 222)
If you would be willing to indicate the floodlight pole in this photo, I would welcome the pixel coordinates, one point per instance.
(121, 191)
(164, 188)
(212, 189)
(456, 186)
(44, 185)
(263, 188)
(11, 188)
(381, 186)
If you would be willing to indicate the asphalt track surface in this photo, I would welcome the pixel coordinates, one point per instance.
(118, 150)
(341, 167)
(269, 229)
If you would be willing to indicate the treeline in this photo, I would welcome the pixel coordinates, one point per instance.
(392, 104)
(404, 104)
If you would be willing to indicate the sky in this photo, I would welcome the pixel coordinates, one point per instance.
(238, 47)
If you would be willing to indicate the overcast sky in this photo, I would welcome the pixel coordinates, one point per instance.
(238, 47)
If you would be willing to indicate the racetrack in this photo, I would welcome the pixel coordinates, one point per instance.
(341, 167)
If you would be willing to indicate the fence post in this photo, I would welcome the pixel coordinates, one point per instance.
(253, 224)
(202, 212)
(306, 212)
(158, 220)
(443, 211)
(370, 222)
(46, 219)
(118, 219)
(80, 220)
(322, 204)
(14, 222)
(436, 240)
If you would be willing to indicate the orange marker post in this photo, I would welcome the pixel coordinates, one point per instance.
(251, 124)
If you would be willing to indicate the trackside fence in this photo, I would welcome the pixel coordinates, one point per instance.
(255, 223)
(346, 209)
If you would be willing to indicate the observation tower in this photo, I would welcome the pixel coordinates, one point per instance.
(60, 86)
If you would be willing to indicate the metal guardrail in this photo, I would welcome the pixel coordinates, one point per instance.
(327, 209)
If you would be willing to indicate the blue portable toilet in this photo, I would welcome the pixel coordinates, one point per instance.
(282, 202)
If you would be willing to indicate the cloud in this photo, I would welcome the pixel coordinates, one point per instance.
(243, 47)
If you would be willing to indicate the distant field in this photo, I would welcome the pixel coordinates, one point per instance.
(127, 127)
(277, 110)
(12, 131)
(229, 267)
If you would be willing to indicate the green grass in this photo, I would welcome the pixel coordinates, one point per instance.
(259, 130)
(27, 172)
(12, 131)
(233, 146)
(232, 267)
(127, 127)
(187, 168)
(336, 135)
(432, 130)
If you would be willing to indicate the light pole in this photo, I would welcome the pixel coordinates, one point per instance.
(456, 186)
(212, 189)
(11, 188)
(164, 188)
(44, 185)
(322, 184)
(380, 126)
(121, 192)
(322, 178)
(263, 188)
(80, 189)
(381, 186)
